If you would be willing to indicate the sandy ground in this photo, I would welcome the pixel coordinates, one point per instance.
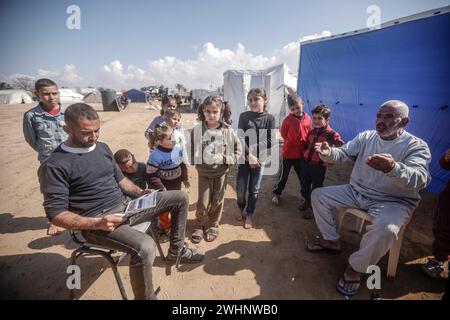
(267, 262)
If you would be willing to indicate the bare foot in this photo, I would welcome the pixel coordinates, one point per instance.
(239, 214)
(248, 224)
(53, 230)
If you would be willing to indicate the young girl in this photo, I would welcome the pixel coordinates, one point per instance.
(167, 103)
(250, 173)
(214, 147)
(166, 169)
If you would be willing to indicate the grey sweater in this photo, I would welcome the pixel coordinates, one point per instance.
(409, 175)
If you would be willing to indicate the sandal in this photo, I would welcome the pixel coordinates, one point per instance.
(197, 236)
(321, 248)
(211, 234)
(433, 268)
(345, 292)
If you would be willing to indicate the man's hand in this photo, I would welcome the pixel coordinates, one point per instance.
(382, 162)
(322, 148)
(145, 191)
(187, 185)
(109, 222)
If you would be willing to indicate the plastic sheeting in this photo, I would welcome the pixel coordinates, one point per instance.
(408, 61)
(135, 95)
(67, 97)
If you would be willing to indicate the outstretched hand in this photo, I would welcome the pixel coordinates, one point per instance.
(382, 162)
(322, 148)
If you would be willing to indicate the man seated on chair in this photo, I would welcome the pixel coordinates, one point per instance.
(83, 187)
(391, 166)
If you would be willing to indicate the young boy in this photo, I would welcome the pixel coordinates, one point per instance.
(294, 129)
(43, 127)
(313, 169)
(166, 169)
(135, 171)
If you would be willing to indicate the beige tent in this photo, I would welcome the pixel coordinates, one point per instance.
(93, 97)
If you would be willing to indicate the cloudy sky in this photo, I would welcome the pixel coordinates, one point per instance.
(124, 44)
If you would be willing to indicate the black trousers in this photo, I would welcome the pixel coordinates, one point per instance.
(312, 177)
(284, 174)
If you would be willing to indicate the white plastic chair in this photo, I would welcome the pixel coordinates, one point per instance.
(361, 218)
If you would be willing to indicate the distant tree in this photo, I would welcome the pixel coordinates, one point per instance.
(180, 88)
(5, 86)
(23, 82)
(220, 89)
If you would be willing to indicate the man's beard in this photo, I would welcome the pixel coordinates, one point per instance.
(387, 132)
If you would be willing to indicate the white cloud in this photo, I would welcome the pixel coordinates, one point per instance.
(290, 53)
(204, 71)
(66, 77)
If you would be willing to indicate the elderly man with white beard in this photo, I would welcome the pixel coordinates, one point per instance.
(390, 167)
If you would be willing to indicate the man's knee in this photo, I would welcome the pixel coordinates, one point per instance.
(316, 194)
(146, 250)
(179, 195)
(385, 229)
(176, 197)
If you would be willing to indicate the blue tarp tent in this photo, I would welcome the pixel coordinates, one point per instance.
(135, 95)
(408, 59)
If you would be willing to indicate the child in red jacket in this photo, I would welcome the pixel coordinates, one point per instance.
(294, 130)
(313, 169)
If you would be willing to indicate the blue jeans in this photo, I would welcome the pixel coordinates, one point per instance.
(248, 178)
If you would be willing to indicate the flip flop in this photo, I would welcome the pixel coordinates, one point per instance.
(343, 291)
(321, 249)
(211, 234)
(197, 236)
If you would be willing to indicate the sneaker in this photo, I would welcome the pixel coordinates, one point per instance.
(188, 255)
(276, 199)
(433, 268)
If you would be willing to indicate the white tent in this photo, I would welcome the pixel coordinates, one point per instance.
(67, 96)
(15, 96)
(85, 91)
(237, 83)
(203, 93)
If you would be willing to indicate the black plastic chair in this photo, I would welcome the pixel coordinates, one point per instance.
(87, 248)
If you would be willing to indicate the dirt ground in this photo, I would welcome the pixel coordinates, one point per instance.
(267, 262)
